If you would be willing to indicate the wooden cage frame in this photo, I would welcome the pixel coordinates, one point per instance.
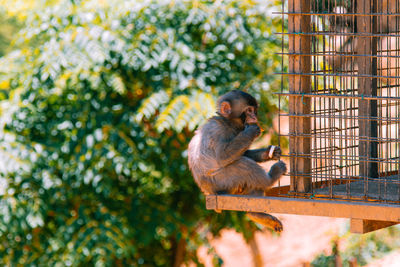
(364, 216)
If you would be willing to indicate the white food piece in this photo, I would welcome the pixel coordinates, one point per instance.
(271, 152)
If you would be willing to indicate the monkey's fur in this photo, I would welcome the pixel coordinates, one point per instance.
(220, 159)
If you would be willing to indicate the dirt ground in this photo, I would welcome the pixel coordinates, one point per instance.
(303, 238)
(390, 260)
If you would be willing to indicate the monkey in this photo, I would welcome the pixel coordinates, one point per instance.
(387, 27)
(219, 156)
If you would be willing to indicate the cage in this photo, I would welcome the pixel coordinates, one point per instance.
(343, 71)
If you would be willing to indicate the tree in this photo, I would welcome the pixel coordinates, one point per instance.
(103, 103)
(7, 30)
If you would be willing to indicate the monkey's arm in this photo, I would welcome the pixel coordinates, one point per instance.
(256, 154)
(231, 150)
(263, 154)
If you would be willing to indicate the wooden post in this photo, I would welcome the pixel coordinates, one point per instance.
(367, 86)
(359, 226)
(300, 180)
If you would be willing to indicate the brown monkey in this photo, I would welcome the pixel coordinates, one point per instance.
(220, 159)
(387, 27)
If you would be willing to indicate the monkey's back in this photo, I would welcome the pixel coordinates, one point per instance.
(202, 150)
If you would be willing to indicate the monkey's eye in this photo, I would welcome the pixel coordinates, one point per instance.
(251, 110)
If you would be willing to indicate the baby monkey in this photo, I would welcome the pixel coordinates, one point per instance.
(220, 159)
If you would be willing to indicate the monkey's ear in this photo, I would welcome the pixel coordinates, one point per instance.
(225, 109)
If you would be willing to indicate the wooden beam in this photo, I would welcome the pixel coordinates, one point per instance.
(299, 45)
(311, 207)
(359, 226)
(367, 66)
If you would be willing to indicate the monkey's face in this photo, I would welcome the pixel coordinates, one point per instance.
(239, 107)
(239, 112)
(244, 113)
(250, 115)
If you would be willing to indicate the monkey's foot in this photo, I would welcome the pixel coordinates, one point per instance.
(266, 220)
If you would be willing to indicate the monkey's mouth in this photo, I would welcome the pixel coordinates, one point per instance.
(250, 121)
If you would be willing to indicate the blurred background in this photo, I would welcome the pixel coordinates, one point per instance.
(98, 101)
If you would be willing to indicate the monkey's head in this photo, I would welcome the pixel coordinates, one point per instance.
(239, 107)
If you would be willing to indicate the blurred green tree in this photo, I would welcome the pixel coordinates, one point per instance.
(8, 29)
(360, 249)
(101, 106)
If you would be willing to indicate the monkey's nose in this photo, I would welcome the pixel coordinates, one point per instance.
(251, 119)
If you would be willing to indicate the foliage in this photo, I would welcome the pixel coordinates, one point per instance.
(362, 248)
(370, 246)
(9, 26)
(103, 101)
(323, 260)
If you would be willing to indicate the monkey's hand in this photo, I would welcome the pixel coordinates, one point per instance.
(272, 153)
(253, 130)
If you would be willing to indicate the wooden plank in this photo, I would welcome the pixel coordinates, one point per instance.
(359, 226)
(211, 202)
(276, 191)
(312, 207)
(367, 86)
(299, 44)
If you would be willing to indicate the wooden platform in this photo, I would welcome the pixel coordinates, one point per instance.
(365, 217)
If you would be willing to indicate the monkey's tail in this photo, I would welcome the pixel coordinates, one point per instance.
(267, 220)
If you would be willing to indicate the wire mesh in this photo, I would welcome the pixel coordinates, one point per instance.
(344, 69)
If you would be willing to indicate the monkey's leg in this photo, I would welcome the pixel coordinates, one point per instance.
(267, 220)
(245, 175)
